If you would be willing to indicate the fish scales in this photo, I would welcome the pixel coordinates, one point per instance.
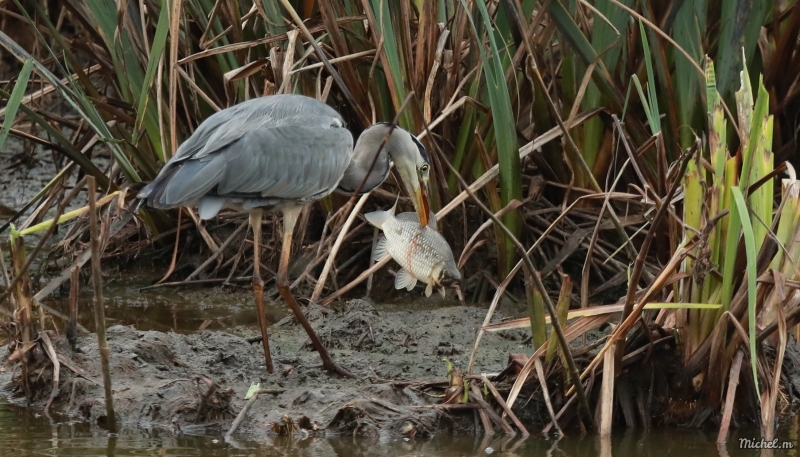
(422, 251)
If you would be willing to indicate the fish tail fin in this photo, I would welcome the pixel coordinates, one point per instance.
(378, 218)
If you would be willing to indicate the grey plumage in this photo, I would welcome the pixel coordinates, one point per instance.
(259, 153)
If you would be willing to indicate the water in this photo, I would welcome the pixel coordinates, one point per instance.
(23, 433)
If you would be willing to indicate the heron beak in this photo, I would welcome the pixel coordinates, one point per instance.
(420, 196)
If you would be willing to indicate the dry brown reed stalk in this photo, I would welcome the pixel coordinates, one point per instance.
(477, 397)
(730, 396)
(74, 287)
(499, 399)
(545, 393)
(607, 394)
(99, 309)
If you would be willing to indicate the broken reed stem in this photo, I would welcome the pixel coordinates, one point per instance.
(502, 403)
(213, 257)
(733, 382)
(243, 413)
(546, 394)
(72, 323)
(22, 297)
(607, 393)
(99, 312)
(487, 408)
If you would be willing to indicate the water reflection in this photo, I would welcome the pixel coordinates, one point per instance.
(26, 434)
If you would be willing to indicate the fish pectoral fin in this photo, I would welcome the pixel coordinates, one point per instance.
(429, 290)
(443, 292)
(380, 249)
(403, 279)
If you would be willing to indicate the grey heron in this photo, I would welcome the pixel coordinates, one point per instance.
(279, 153)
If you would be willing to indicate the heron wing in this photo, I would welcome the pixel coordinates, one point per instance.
(229, 125)
(281, 146)
(292, 162)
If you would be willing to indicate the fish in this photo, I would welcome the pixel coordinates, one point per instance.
(422, 252)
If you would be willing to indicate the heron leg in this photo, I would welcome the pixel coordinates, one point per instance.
(290, 216)
(258, 286)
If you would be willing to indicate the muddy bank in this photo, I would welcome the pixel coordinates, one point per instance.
(196, 383)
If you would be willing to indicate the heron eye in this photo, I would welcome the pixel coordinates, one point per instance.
(424, 168)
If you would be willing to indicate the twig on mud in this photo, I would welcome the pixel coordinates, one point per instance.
(452, 407)
(198, 281)
(240, 417)
(78, 370)
(99, 311)
(212, 387)
(502, 403)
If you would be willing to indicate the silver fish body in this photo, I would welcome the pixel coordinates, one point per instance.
(422, 251)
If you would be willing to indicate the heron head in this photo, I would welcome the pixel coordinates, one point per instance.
(409, 157)
(411, 160)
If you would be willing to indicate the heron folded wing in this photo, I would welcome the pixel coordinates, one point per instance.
(293, 162)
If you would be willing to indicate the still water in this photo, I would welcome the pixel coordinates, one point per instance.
(25, 434)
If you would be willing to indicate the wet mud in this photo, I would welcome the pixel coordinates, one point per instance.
(196, 383)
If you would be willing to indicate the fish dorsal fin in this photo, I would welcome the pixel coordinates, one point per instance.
(443, 292)
(403, 279)
(380, 249)
(429, 290)
(411, 216)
